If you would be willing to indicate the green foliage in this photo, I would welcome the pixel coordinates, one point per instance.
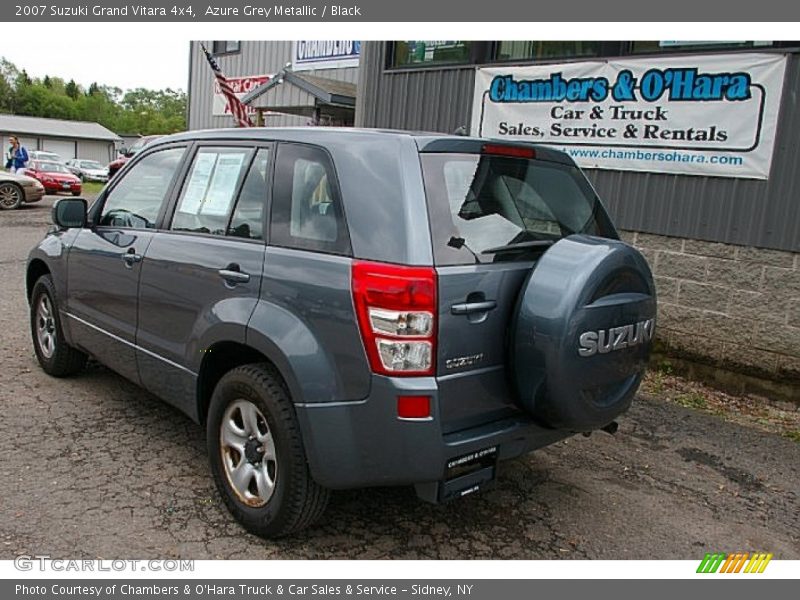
(142, 111)
(692, 400)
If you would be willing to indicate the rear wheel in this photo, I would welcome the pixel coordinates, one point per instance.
(11, 196)
(257, 456)
(56, 357)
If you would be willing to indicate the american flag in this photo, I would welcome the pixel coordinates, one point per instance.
(238, 110)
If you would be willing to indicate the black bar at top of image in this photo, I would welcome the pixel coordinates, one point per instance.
(464, 11)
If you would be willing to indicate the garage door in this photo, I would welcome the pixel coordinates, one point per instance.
(66, 148)
(29, 143)
(99, 151)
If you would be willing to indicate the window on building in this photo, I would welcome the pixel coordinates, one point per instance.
(225, 47)
(650, 46)
(529, 50)
(425, 52)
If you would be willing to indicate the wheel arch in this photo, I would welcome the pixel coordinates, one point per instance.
(36, 268)
(224, 356)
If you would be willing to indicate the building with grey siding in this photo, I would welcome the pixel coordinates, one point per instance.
(289, 83)
(69, 139)
(724, 245)
(725, 250)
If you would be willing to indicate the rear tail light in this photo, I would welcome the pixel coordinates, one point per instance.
(396, 309)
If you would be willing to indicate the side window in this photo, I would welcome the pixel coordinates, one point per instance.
(136, 200)
(306, 205)
(210, 189)
(248, 216)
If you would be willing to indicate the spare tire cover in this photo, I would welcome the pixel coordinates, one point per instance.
(582, 331)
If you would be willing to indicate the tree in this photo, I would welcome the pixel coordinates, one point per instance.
(135, 111)
(72, 89)
(23, 79)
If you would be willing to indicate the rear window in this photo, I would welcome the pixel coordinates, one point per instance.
(479, 203)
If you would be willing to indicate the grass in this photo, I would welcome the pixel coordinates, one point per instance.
(691, 400)
(659, 376)
(793, 435)
(775, 416)
(92, 187)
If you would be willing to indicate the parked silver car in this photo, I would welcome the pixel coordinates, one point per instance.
(88, 170)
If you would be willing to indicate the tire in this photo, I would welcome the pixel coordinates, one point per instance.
(76, 193)
(56, 357)
(582, 333)
(256, 394)
(11, 196)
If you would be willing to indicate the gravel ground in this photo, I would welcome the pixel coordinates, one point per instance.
(95, 467)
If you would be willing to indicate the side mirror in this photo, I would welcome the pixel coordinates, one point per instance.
(123, 151)
(70, 212)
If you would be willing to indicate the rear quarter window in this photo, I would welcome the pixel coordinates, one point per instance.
(478, 202)
(307, 211)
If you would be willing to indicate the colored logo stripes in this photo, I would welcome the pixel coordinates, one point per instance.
(738, 562)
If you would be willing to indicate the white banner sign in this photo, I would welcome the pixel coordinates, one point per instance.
(697, 115)
(324, 54)
(241, 86)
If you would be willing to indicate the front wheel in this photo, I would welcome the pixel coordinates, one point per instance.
(11, 196)
(257, 456)
(56, 357)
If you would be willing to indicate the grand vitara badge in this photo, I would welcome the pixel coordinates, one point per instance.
(615, 338)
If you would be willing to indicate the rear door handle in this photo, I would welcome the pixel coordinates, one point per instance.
(469, 308)
(233, 274)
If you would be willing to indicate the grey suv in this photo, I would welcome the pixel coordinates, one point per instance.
(348, 308)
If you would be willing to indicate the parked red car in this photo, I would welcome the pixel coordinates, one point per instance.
(55, 177)
(129, 153)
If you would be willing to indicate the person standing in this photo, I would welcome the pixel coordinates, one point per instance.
(18, 155)
(9, 156)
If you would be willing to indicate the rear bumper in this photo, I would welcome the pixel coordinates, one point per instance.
(363, 444)
(55, 188)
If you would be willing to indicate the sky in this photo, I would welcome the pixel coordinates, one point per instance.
(121, 64)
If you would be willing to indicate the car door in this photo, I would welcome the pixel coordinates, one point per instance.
(201, 277)
(104, 263)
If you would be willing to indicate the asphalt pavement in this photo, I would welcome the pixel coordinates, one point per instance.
(94, 467)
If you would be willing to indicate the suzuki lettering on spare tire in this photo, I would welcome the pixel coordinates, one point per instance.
(615, 338)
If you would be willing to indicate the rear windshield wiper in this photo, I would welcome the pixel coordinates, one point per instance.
(519, 246)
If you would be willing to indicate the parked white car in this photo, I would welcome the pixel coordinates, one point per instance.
(44, 155)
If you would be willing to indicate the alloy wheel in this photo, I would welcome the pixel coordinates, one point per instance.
(45, 326)
(9, 196)
(248, 453)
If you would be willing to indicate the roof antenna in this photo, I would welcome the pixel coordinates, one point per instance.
(462, 130)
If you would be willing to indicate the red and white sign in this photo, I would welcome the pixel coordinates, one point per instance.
(241, 86)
